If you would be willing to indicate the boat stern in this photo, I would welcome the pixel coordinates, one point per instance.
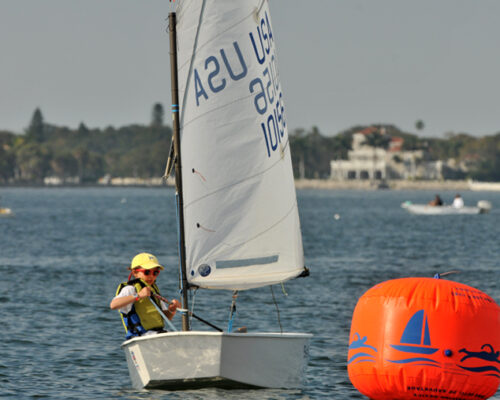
(182, 360)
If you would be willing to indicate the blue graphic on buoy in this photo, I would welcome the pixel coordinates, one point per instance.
(360, 343)
(488, 356)
(416, 338)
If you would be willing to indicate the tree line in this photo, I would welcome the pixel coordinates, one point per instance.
(141, 150)
(89, 154)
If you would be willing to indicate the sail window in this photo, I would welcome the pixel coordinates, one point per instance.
(246, 262)
(203, 270)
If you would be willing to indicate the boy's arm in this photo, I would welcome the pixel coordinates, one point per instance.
(127, 296)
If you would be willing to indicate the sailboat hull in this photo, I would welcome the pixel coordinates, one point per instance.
(181, 360)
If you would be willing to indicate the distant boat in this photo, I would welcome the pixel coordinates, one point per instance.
(482, 207)
(380, 185)
(5, 212)
(238, 218)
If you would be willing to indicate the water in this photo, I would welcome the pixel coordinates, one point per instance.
(65, 251)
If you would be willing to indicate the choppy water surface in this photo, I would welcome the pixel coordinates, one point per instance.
(64, 252)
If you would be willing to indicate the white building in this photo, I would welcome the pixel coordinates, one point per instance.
(374, 163)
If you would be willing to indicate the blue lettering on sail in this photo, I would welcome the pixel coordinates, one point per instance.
(259, 100)
(267, 34)
(270, 94)
(213, 74)
(274, 127)
(267, 96)
(198, 88)
(260, 58)
(244, 68)
(216, 79)
(265, 40)
(266, 101)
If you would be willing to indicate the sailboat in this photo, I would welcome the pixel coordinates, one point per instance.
(238, 219)
(5, 212)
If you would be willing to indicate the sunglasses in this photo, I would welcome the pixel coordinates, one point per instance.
(148, 271)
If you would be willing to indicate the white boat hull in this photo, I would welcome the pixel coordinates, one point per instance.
(179, 360)
(424, 209)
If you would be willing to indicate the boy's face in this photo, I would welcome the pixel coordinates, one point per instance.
(147, 275)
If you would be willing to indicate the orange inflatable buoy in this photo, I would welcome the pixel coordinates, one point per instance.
(425, 338)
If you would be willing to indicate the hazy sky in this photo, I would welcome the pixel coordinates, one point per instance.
(341, 62)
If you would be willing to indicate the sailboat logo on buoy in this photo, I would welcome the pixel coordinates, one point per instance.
(416, 338)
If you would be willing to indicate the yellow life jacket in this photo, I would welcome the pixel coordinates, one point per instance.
(143, 316)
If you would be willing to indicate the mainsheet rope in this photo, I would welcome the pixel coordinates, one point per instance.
(189, 313)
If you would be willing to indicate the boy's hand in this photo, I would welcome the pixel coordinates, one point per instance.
(174, 305)
(145, 292)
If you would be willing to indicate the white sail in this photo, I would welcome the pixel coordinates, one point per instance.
(242, 226)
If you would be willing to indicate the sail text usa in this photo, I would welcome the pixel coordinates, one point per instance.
(230, 65)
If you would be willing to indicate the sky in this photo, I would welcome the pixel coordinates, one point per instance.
(342, 63)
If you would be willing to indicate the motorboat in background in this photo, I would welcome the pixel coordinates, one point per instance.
(482, 207)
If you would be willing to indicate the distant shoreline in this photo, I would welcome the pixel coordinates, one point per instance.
(320, 184)
(392, 185)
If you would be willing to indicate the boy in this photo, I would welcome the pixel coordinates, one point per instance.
(133, 299)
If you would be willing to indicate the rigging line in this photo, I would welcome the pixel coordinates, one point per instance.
(191, 314)
(183, 311)
(277, 309)
(186, 205)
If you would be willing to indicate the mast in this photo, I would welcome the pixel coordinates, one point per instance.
(178, 165)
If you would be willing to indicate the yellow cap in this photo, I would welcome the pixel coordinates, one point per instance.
(146, 261)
